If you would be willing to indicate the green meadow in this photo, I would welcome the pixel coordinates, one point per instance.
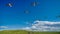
(25, 32)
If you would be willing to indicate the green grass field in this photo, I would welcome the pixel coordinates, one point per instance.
(25, 32)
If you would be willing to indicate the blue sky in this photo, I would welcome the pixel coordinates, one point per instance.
(14, 17)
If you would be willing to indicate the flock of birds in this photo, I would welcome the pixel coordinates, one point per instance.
(33, 4)
(26, 11)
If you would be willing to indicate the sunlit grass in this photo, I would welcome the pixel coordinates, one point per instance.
(25, 32)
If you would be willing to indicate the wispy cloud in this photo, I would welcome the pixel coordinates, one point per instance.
(3, 27)
(44, 26)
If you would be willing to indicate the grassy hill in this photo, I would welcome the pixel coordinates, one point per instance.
(25, 32)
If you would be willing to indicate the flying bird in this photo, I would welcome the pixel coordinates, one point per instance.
(26, 11)
(9, 4)
(58, 16)
(34, 3)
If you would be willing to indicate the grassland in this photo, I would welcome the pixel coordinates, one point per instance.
(25, 32)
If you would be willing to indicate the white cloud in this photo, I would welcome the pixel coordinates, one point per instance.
(33, 26)
(45, 26)
(26, 28)
(3, 27)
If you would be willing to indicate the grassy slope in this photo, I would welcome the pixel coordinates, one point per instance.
(25, 32)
